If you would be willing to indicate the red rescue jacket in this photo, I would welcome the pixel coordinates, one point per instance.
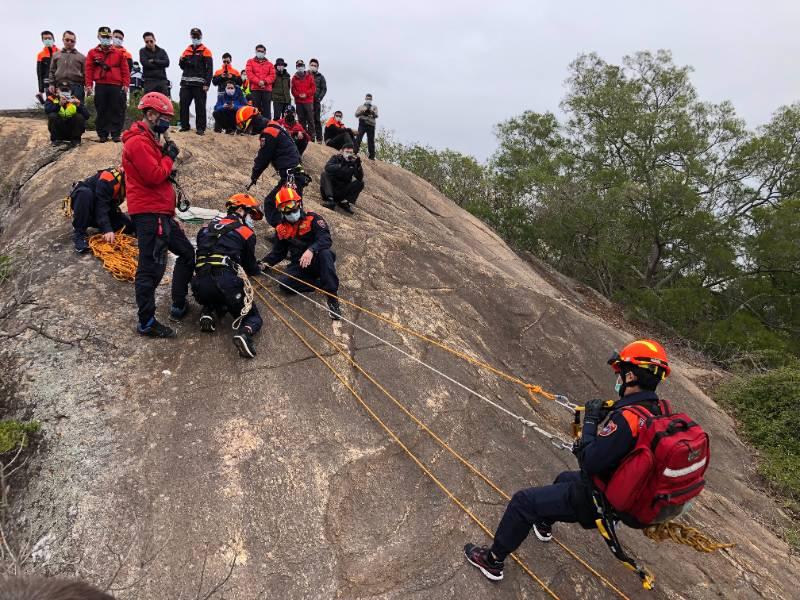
(111, 68)
(260, 70)
(294, 129)
(147, 171)
(301, 85)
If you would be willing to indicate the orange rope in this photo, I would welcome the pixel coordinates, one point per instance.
(120, 257)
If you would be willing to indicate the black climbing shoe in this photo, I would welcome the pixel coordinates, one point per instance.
(207, 324)
(543, 531)
(329, 203)
(80, 240)
(334, 310)
(217, 129)
(479, 557)
(244, 344)
(346, 206)
(154, 329)
(176, 313)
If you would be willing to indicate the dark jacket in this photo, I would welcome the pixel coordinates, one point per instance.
(154, 64)
(238, 243)
(322, 86)
(342, 171)
(282, 87)
(108, 195)
(236, 101)
(221, 77)
(334, 128)
(277, 147)
(197, 66)
(311, 232)
(43, 66)
(602, 451)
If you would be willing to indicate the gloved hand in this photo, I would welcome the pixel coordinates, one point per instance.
(171, 149)
(251, 184)
(594, 411)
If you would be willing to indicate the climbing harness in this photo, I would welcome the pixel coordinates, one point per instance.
(182, 202)
(120, 257)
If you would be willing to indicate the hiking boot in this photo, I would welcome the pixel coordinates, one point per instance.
(479, 557)
(244, 344)
(207, 324)
(184, 129)
(200, 131)
(102, 140)
(229, 132)
(543, 531)
(346, 206)
(81, 241)
(334, 310)
(329, 203)
(176, 313)
(154, 329)
(217, 129)
(115, 138)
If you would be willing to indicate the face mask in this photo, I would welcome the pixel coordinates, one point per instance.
(105, 42)
(292, 217)
(314, 69)
(48, 43)
(260, 54)
(301, 70)
(618, 386)
(117, 42)
(338, 119)
(290, 119)
(196, 41)
(248, 220)
(349, 156)
(161, 126)
(279, 68)
(230, 92)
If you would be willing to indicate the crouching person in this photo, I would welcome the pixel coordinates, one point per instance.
(66, 117)
(306, 239)
(342, 180)
(222, 245)
(96, 203)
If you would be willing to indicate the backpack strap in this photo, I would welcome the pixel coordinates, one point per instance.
(665, 406)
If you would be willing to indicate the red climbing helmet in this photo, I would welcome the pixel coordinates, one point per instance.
(157, 101)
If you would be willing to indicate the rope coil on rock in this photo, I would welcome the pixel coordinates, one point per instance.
(248, 296)
(120, 257)
(686, 535)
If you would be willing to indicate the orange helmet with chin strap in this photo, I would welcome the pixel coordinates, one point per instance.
(645, 354)
(247, 202)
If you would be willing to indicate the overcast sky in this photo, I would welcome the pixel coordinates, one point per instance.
(444, 72)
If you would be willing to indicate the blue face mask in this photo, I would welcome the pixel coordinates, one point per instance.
(292, 217)
(618, 386)
(260, 54)
(48, 43)
(161, 126)
(105, 41)
(196, 41)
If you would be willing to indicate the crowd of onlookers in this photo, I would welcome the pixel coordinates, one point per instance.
(110, 73)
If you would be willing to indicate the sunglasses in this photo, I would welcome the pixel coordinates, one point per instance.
(290, 207)
(226, 62)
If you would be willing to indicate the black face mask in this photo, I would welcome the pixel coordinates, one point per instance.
(290, 119)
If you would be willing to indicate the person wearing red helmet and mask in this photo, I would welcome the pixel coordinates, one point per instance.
(148, 165)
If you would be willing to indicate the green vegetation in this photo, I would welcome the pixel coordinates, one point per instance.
(14, 434)
(131, 112)
(6, 267)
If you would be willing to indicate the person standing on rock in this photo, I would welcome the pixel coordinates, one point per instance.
(262, 75)
(639, 368)
(222, 245)
(342, 180)
(319, 95)
(95, 202)
(107, 70)
(366, 114)
(148, 168)
(303, 89)
(155, 61)
(306, 238)
(281, 88)
(43, 60)
(197, 65)
(69, 65)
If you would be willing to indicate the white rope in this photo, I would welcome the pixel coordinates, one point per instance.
(248, 297)
(556, 440)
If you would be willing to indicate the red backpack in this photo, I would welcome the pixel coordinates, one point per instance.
(662, 473)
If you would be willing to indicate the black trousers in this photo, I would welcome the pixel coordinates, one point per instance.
(84, 213)
(340, 140)
(330, 188)
(157, 85)
(66, 129)
(110, 113)
(219, 290)
(278, 108)
(262, 100)
(305, 114)
(370, 131)
(225, 119)
(317, 120)
(271, 214)
(321, 273)
(196, 94)
(301, 144)
(156, 234)
(567, 500)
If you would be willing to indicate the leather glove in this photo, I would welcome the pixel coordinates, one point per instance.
(171, 150)
(594, 411)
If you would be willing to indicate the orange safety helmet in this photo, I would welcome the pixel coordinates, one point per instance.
(244, 116)
(287, 199)
(647, 354)
(247, 202)
(157, 101)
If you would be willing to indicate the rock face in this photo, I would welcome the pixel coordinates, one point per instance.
(167, 463)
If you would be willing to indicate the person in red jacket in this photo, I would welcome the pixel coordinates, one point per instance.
(294, 129)
(261, 73)
(107, 69)
(148, 168)
(303, 90)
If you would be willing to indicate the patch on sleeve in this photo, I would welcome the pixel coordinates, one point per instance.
(610, 428)
(322, 224)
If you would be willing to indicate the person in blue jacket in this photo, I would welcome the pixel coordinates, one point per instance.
(225, 109)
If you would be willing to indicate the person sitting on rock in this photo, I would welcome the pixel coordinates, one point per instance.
(227, 105)
(342, 180)
(95, 202)
(277, 149)
(222, 245)
(295, 130)
(66, 117)
(336, 133)
(306, 238)
(639, 368)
